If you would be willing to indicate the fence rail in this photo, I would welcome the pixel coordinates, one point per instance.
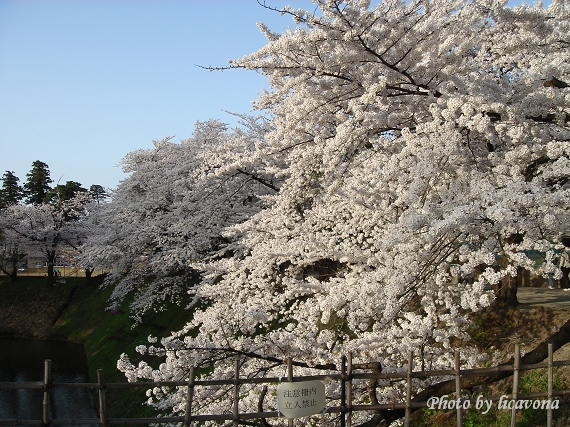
(345, 409)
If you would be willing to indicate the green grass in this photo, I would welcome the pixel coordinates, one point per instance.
(29, 305)
(530, 382)
(26, 289)
(106, 335)
(85, 320)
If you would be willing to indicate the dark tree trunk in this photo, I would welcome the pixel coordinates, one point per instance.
(50, 264)
(13, 274)
(50, 274)
(506, 291)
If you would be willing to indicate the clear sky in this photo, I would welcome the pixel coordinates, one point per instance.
(84, 82)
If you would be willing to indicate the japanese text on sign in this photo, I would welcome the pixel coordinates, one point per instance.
(300, 399)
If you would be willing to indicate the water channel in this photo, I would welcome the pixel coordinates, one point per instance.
(23, 360)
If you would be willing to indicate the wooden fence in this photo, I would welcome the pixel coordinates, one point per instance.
(344, 410)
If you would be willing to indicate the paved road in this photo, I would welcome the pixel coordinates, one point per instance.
(556, 299)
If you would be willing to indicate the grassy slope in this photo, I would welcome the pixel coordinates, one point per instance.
(32, 305)
(29, 306)
(531, 381)
(496, 330)
(106, 335)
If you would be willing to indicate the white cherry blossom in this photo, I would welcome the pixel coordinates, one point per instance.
(408, 139)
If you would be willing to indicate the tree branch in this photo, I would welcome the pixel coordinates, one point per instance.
(258, 179)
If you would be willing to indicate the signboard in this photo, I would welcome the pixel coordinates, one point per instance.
(300, 399)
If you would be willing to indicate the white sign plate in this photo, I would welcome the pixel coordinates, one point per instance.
(300, 399)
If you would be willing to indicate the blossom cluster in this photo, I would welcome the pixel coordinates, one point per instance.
(402, 143)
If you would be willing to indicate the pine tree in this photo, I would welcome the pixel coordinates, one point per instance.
(12, 192)
(63, 192)
(38, 183)
(98, 192)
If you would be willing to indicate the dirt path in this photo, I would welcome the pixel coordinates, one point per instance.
(555, 299)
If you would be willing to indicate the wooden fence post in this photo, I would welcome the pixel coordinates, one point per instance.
(236, 394)
(47, 386)
(458, 389)
(516, 372)
(189, 396)
(349, 390)
(102, 402)
(409, 389)
(346, 396)
(343, 392)
(550, 385)
(290, 379)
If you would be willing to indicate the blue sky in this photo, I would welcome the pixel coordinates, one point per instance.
(84, 82)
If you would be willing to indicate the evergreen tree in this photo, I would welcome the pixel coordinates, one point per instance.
(63, 192)
(98, 192)
(38, 183)
(11, 192)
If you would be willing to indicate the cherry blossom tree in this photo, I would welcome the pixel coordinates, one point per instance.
(13, 250)
(412, 139)
(169, 215)
(46, 231)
